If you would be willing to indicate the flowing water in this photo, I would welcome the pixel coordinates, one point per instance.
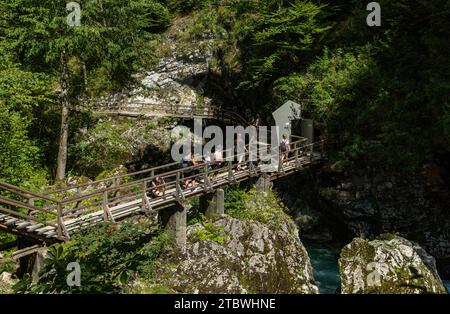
(324, 260)
(447, 284)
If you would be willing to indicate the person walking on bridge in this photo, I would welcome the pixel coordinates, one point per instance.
(285, 148)
(217, 160)
(240, 151)
(187, 163)
(158, 187)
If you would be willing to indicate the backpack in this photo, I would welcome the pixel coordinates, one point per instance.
(284, 146)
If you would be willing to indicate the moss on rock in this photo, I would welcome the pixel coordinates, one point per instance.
(257, 254)
(390, 265)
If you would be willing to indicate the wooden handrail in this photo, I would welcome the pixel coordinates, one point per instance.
(151, 170)
(12, 202)
(165, 175)
(25, 193)
(110, 198)
(26, 217)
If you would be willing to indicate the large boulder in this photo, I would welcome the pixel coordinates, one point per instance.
(7, 278)
(240, 256)
(6, 283)
(177, 80)
(392, 203)
(389, 265)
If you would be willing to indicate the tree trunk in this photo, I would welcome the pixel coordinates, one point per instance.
(64, 82)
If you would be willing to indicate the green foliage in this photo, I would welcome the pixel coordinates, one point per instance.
(6, 237)
(103, 148)
(115, 40)
(18, 154)
(7, 265)
(251, 205)
(24, 91)
(235, 199)
(110, 42)
(150, 288)
(109, 256)
(24, 101)
(283, 40)
(195, 215)
(210, 232)
(380, 95)
(186, 6)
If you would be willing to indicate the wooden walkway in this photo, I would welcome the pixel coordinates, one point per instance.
(145, 109)
(55, 216)
(50, 218)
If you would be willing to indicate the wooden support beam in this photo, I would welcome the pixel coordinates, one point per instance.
(174, 220)
(9, 245)
(107, 215)
(25, 252)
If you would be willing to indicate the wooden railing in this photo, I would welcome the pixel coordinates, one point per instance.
(139, 108)
(27, 206)
(59, 209)
(145, 108)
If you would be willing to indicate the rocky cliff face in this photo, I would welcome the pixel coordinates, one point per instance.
(178, 78)
(7, 278)
(393, 265)
(245, 256)
(416, 208)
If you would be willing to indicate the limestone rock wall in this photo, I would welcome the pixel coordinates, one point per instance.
(246, 257)
(394, 266)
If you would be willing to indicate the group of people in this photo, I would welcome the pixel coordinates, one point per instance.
(213, 161)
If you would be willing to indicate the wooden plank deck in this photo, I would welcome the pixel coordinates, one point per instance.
(114, 201)
(38, 230)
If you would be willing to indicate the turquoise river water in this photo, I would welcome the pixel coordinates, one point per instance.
(324, 260)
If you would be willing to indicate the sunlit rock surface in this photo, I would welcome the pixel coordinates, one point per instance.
(392, 265)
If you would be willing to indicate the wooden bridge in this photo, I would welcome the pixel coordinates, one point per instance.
(136, 109)
(55, 216)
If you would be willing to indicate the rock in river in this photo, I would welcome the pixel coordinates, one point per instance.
(389, 265)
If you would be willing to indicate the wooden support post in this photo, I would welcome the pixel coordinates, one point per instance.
(60, 221)
(207, 182)
(251, 168)
(174, 220)
(144, 196)
(231, 177)
(179, 191)
(298, 164)
(215, 204)
(107, 215)
(30, 202)
(146, 206)
(116, 184)
(24, 261)
(263, 184)
(39, 263)
(280, 161)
